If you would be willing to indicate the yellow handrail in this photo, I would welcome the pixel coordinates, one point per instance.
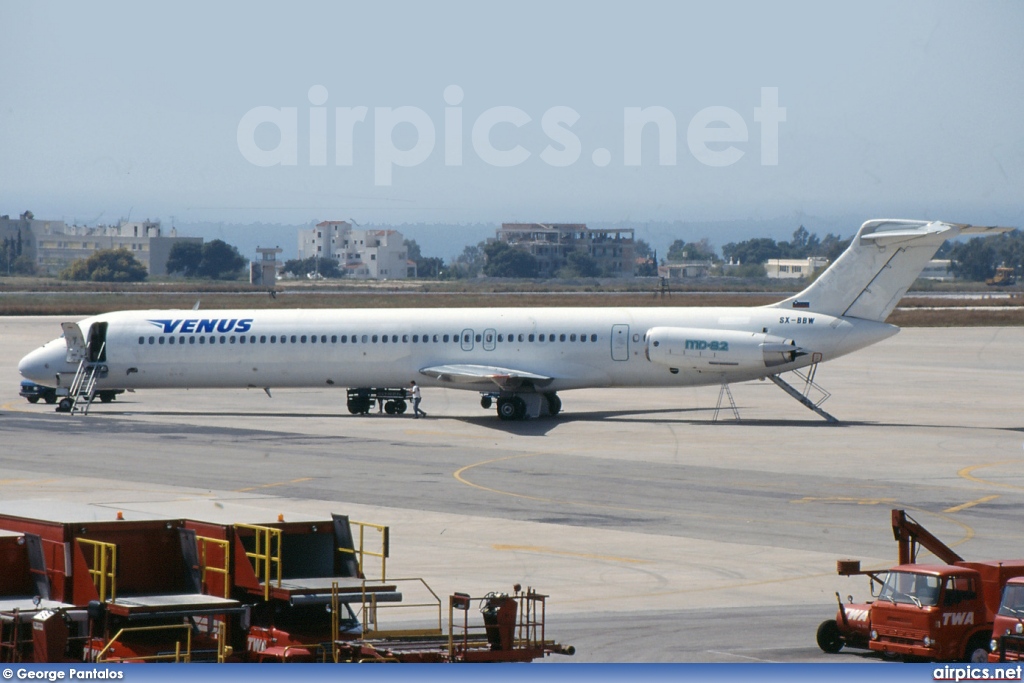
(104, 567)
(361, 551)
(203, 542)
(265, 555)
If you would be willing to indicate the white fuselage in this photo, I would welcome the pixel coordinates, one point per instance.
(575, 347)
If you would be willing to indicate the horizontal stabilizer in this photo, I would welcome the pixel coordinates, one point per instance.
(876, 270)
(504, 378)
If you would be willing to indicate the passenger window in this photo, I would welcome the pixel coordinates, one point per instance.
(572, 337)
(263, 339)
(161, 341)
(312, 340)
(152, 340)
(521, 337)
(142, 340)
(593, 337)
(191, 340)
(477, 339)
(384, 339)
(170, 340)
(405, 339)
(561, 337)
(445, 338)
(415, 338)
(202, 340)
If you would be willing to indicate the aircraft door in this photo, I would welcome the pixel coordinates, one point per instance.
(489, 338)
(620, 342)
(467, 340)
(98, 343)
(75, 341)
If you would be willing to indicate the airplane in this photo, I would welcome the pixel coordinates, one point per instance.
(518, 358)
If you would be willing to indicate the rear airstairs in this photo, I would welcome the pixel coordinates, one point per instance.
(804, 397)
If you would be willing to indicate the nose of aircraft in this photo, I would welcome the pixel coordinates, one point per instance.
(43, 364)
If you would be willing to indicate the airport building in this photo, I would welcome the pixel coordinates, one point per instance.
(551, 244)
(362, 254)
(793, 268)
(54, 245)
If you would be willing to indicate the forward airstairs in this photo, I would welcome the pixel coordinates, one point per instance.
(82, 391)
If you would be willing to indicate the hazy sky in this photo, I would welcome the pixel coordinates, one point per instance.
(242, 112)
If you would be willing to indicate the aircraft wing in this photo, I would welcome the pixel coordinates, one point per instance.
(504, 378)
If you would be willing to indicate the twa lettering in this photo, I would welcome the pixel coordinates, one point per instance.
(958, 619)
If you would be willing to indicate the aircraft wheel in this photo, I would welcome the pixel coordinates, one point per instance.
(507, 409)
(554, 404)
(64, 406)
(520, 406)
(107, 396)
(485, 402)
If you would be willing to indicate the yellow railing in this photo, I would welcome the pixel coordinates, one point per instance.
(266, 555)
(361, 552)
(203, 543)
(369, 617)
(176, 656)
(104, 567)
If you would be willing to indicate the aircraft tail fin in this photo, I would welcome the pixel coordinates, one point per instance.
(882, 261)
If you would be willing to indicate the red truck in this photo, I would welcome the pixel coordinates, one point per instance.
(941, 612)
(1008, 628)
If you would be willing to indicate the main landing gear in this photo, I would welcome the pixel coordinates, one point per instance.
(523, 406)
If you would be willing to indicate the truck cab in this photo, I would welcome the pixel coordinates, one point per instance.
(1008, 627)
(939, 612)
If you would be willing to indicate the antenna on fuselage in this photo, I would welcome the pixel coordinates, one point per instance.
(196, 307)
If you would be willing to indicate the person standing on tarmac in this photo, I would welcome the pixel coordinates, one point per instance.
(415, 390)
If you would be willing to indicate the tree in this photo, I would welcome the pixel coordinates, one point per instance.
(326, 267)
(642, 249)
(975, 259)
(185, 258)
(470, 262)
(757, 250)
(579, 264)
(504, 260)
(220, 261)
(106, 265)
(430, 267)
(693, 251)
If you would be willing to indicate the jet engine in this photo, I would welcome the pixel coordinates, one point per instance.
(699, 348)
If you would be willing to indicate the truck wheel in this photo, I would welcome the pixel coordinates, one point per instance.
(50, 398)
(829, 638)
(977, 649)
(33, 399)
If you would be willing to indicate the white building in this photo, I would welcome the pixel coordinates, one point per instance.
(938, 269)
(362, 254)
(783, 268)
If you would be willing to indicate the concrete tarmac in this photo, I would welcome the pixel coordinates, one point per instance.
(659, 533)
